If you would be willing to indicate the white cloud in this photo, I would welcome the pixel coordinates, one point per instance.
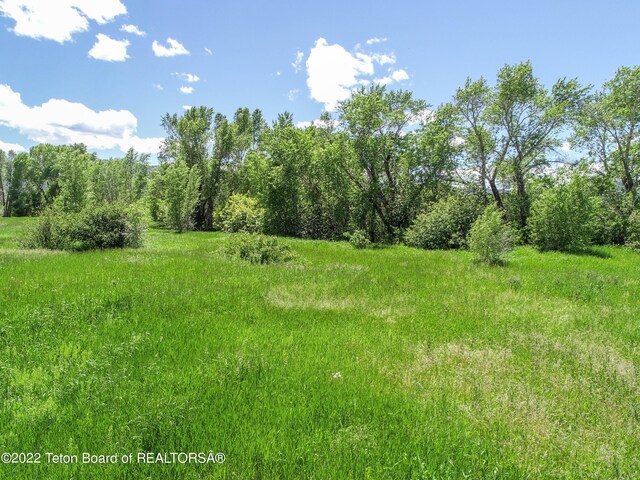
(383, 58)
(109, 50)
(566, 147)
(188, 77)
(293, 94)
(7, 147)
(297, 63)
(58, 20)
(60, 122)
(375, 40)
(187, 107)
(186, 90)
(332, 72)
(424, 116)
(174, 48)
(396, 76)
(207, 51)
(157, 86)
(133, 29)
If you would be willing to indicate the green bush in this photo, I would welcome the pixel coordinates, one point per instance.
(490, 239)
(446, 225)
(633, 231)
(241, 213)
(358, 239)
(562, 217)
(108, 226)
(259, 249)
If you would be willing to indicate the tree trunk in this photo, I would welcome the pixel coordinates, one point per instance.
(522, 200)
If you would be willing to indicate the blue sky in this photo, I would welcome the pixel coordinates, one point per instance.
(104, 72)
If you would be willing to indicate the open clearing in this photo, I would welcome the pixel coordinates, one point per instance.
(383, 363)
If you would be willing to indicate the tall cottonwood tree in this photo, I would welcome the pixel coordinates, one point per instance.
(6, 172)
(529, 119)
(189, 139)
(390, 165)
(484, 151)
(608, 128)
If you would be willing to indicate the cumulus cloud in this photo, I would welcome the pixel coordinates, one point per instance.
(333, 72)
(8, 147)
(374, 40)
(188, 77)
(132, 29)
(186, 90)
(187, 107)
(109, 50)
(157, 86)
(384, 58)
(58, 20)
(175, 48)
(396, 76)
(297, 63)
(293, 94)
(61, 122)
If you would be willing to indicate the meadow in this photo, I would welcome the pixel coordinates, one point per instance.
(390, 362)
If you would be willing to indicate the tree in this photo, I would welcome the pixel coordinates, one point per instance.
(484, 150)
(73, 180)
(390, 165)
(182, 195)
(188, 140)
(608, 128)
(529, 119)
(6, 171)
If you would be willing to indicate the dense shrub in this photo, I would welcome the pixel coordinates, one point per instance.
(358, 239)
(240, 214)
(108, 226)
(613, 209)
(490, 239)
(562, 217)
(633, 231)
(445, 225)
(259, 249)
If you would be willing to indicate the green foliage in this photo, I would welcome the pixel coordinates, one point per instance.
(240, 213)
(633, 231)
(259, 249)
(613, 208)
(445, 225)
(103, 227)
(607, 128)
(182, 186)
(490, 239)
(393, 169)
(188, 143)
(359, 240)
(563, 216)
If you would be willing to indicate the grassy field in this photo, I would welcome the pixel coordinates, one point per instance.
(384, 363)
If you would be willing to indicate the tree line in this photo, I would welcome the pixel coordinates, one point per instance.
(387, 166)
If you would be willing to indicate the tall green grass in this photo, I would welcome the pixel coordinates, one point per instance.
(382, 363)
